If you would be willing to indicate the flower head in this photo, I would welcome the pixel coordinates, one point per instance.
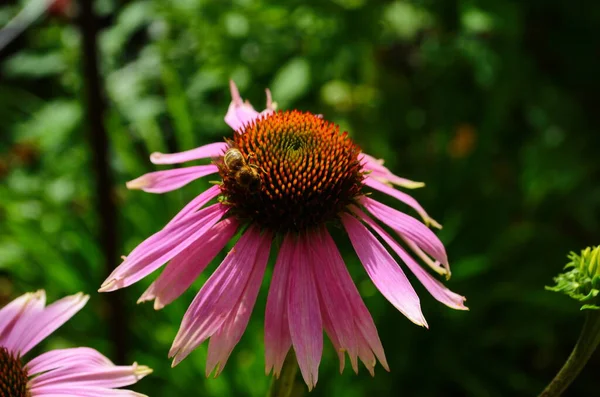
(287, 175)
(582, 281)
(82, 371)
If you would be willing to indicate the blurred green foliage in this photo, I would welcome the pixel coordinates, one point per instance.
(492, 103)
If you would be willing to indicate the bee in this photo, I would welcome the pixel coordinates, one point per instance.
(245, 174)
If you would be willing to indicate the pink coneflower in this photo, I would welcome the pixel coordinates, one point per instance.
(75, 372)
(285, 176)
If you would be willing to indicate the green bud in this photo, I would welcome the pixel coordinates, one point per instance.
(582, 281)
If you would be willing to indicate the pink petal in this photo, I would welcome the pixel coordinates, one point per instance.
(36, 326)
(104, 376)
(335, 307)
(211, 150)
(219, 295)
(435, 287)
(186, 266)
(87, 391)
(175, 226)
(384, 271)
(224, 340)
(25, 306)
(277, 331)
(436, 266)
(240, 113)
(365, 352)
(197, 203)
(61, 358)
(366, 332)
(304, 314)
(405, 198)
(408, 227)
(333, 337)
(162, 246)
(380, 172)
(270, 104)
(165, 181)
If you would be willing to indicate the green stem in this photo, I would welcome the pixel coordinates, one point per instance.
(284, 385)
(583, 350)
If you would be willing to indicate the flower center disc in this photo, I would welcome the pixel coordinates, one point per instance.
(305, 172)
(13, 377)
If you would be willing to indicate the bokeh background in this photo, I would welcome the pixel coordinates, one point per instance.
(494, 104)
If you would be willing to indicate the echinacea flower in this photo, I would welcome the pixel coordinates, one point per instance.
(285, 175)
(73, 372)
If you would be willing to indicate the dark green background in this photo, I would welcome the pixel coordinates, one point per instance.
(494, 104)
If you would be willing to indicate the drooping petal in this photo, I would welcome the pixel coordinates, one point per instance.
(435, 287)
(31, 330)
(333, 337)
(304, 314)
(405, 198)
(335, 307)
(26, 305)
(197, 203)
(186, 266)
(162, 247)
(365, 353)
(173, 229)
(219, 295)
(277, 331)
(408, 227)
(211, 150)
(436, 266)
(64, 358)
(384, 271)
(380, 172)
(101, 376)
(165, 181)
(221, 344)
(366, 335)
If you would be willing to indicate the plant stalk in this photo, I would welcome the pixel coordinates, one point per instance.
(284, 385)
(583, 350)
(106, 208)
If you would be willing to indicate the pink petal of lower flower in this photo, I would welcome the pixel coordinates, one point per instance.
(408, 227)
(211, 150)
(384, 271)
(165, 181)
(405, 198)
(61, 358)
(435, 287)
(78, 391)
(224, 340)
(25, 306)
(218, 296)
(304, 314)
(27, 334)
(277, 331)
(186, 266)
(105, 376)
(162, 247)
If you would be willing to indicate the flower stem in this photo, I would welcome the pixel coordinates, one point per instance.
(583, 350)
(284, 385)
